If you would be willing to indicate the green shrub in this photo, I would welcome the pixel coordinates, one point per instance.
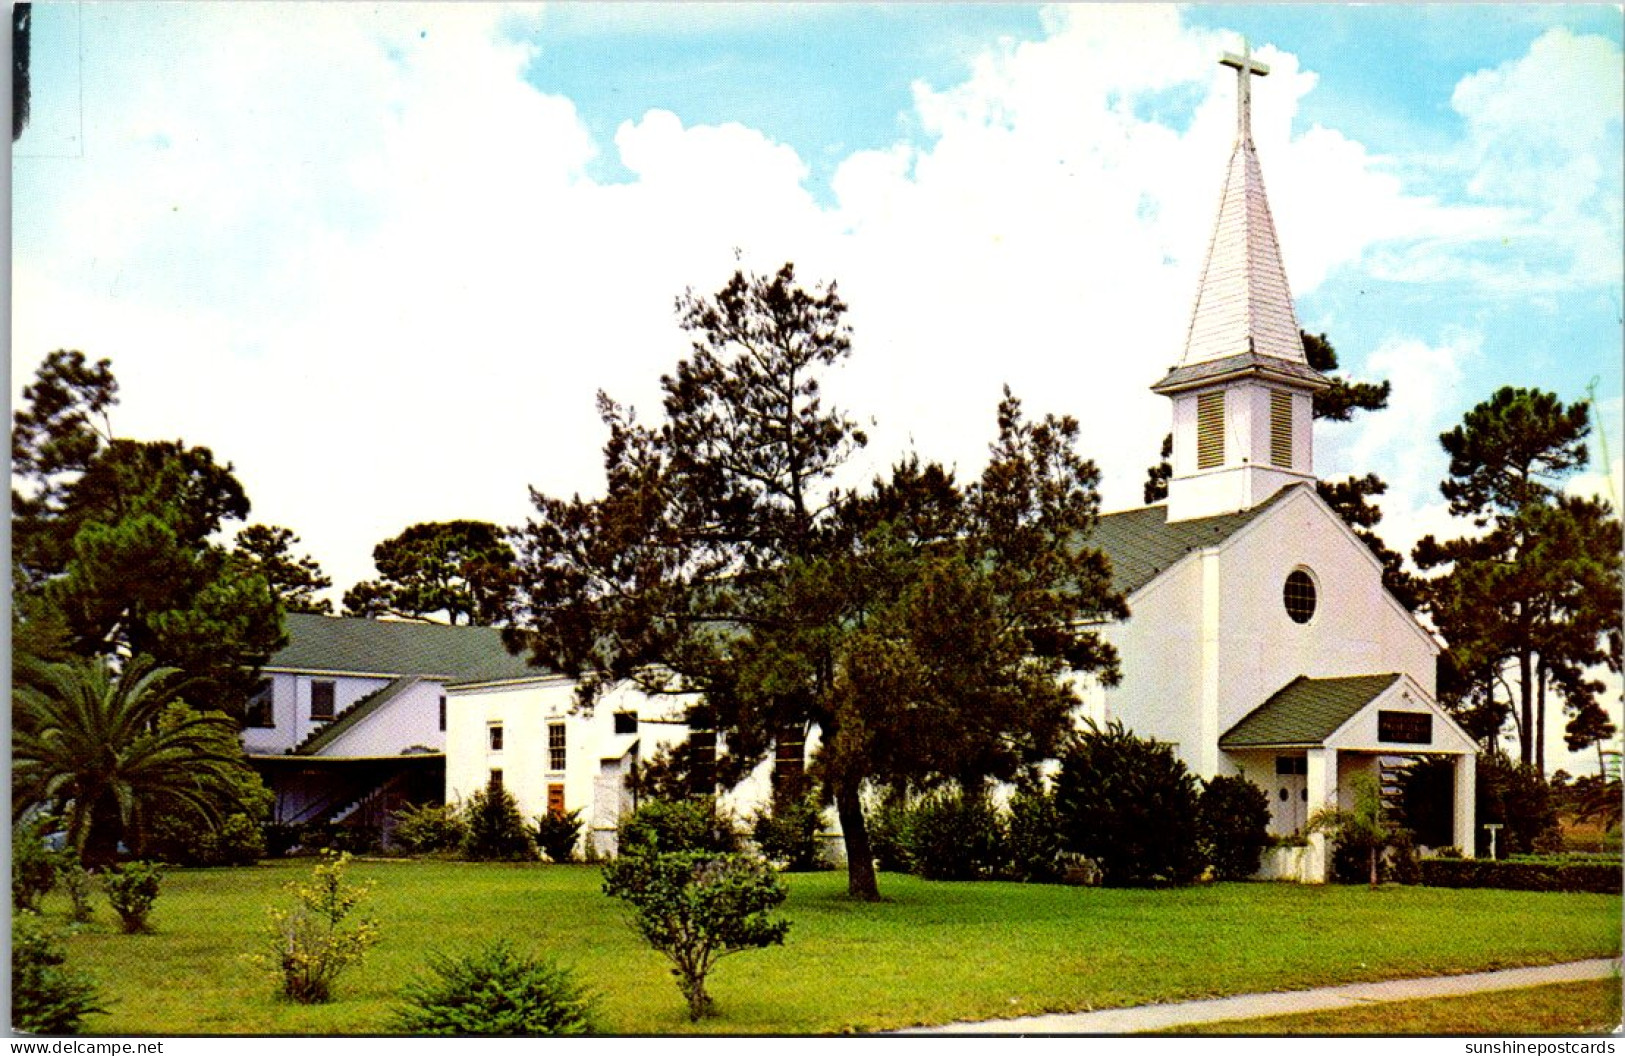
(888, 824)
(697, 907)
(1130, 806)
(1033, 844)
(429, 828)
(46, 998)
(557, 835)
(1523, 874)
(1232, 824)
(495, 992)
(341, 837)
(788, 833)
(177, 832)
(1404, 863)
(279, 838)
(132, 888)
(33, 866)
(496, 831)
(187, 840)
(79, 885)
(669, 826)
(308, 946)
(952, 836)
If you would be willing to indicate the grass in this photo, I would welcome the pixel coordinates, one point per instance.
(1562, 1008)
(931, 953)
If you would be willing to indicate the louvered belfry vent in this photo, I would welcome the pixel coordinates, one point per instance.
(1280, 428)
(1210, 430)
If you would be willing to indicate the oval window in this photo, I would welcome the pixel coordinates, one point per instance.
(1299, 596)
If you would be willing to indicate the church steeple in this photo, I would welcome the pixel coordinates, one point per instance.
(1243, 388)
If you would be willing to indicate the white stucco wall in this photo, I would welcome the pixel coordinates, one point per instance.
(409, 720)
(290, 708)
(595, 756)
(1357, 629)
(1159, 652)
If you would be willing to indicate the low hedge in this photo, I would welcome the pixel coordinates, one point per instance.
(1532, 874)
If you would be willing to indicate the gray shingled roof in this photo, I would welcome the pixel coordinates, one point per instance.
(1306, 711)
(1142, 544)
(349, 645)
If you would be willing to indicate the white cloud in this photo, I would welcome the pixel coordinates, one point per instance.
(1543, 137)
(351, 250)
(1401, 443)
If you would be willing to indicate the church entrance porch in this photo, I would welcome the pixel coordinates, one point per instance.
(1307, 743)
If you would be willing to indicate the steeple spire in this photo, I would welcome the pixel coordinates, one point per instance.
(1243, 303)
(1242, 391)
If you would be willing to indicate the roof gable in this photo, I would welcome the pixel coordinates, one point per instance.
(353, 645)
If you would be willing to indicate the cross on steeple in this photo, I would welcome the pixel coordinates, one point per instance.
(1244, 65)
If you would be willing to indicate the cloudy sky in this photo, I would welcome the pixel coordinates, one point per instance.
(380, 258)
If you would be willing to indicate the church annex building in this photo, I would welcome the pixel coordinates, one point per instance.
(1261, 640)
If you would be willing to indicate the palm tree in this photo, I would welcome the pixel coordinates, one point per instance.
(1367, 825)
(89, 741)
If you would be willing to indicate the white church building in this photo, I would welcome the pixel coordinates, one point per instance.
(1261, 640)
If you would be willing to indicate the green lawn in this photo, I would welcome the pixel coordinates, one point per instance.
(932, 953)
(1562, 1008)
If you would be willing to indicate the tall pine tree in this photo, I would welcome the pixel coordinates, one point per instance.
(1530, 598)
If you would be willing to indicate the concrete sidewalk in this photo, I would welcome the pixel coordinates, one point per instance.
(1252, 1006)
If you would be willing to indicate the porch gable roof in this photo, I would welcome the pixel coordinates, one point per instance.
(1306, 711)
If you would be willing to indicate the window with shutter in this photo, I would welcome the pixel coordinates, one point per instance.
(1210, 430)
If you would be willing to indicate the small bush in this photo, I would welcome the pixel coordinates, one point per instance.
(1033, 838)
(182, 840)
(696, 908)
(952, 836)
(557, 835)
(279, 838)
(46, 998)
(889, 836)
(340, 837)
(1130, 805)
(788, 834)
(496, 830)
(1404, 862)
(669, 826)
(1233, 817)
(132, 888)
(33, 866)
(308, 946)
(429, 828)
(495, 992)
(79, 885)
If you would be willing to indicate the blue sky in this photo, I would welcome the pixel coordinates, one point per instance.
(381, 257)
